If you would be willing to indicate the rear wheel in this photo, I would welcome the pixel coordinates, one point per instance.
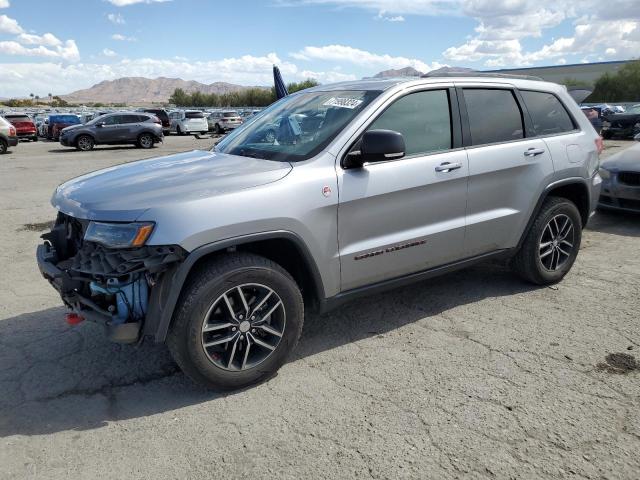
(178, 130)
(34, 138)
(3, 146)
(219, 129)
(239, 318)
(552, 244)
(145, 140)
(85, 143)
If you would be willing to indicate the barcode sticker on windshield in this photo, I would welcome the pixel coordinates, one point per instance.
(343, 102)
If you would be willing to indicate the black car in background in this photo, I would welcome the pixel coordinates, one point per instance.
(163, 115)
(141, 129)
(624, 125)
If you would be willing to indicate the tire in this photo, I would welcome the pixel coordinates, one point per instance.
(218, 129)
(178, 130)
(35, 138)
(3, 146)
(607, 135)
(85, 143)
(552, 243)
(145, 141)
(227, 366)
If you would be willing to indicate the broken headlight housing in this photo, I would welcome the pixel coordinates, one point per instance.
(119, 235)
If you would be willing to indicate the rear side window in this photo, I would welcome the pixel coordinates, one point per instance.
(494, 116)
(18, 118)
(423, 118)
(131, 118)
(548, 114)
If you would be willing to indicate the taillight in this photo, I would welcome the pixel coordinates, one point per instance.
(599, 144)
(12, 131)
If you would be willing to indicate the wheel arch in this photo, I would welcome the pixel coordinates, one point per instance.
(283, 247)
(574, 189)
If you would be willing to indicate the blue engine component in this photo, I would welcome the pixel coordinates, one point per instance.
(131, 297)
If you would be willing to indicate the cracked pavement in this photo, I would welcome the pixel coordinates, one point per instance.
(471, 375)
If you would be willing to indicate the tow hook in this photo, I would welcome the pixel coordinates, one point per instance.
(73, 318)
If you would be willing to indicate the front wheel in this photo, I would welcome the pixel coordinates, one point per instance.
(239, 319)
(85, 143)
(551, 245)
(3, 146)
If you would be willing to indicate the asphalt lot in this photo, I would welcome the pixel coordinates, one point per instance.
(472, 375)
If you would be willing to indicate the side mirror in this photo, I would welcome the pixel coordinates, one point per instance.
(377, 146)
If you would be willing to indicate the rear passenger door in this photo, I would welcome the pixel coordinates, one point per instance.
(129, 127)
(508, 167)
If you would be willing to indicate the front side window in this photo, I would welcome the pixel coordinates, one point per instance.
(298, 126)
(494, 115)
(547, 113)
(423, 118)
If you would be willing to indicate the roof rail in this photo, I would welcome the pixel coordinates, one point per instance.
(480, 74)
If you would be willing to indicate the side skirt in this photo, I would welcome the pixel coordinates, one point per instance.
(344, 297)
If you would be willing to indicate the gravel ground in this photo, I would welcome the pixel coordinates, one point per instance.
(471, 375)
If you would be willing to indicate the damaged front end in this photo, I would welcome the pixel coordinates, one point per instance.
(106, 284)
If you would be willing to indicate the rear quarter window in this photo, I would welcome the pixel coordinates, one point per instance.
(548, 114)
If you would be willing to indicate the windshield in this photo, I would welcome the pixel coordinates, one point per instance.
(297, 127)
(18, 118)
(229, 114)
(194, 115)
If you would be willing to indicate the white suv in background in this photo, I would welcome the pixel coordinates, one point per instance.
(225, 120)
(185, 122)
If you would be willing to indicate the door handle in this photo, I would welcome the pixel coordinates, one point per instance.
(448, 166)
(532, 152)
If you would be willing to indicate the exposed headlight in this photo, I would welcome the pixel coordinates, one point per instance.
(604, 173)
(119, 235)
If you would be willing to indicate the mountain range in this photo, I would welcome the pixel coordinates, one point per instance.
(144, 91)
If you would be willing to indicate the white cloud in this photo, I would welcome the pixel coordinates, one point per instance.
(116, 18)
(9, 25)
(67, 51)
(124, 3)
(382, 15)
(343, 53)
(503, 24)
(123, 38)
(327, 77)
(107, 52)
(396, 7)
(48, 39)
(4, 3)
(64, 78)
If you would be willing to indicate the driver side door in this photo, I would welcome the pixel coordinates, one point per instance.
(108, 132)
(404, 216)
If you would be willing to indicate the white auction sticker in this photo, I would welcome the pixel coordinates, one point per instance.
(341, 102)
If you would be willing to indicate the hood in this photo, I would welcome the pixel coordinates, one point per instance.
(124, 192)
(72, 127)
(627, 160)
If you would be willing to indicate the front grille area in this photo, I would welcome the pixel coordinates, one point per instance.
(629, 178)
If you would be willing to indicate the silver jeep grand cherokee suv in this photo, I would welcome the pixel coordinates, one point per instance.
(366, 186)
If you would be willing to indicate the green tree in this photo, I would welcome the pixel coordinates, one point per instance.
(622, 86)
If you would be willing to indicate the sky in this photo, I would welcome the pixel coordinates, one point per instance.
(58, 47)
